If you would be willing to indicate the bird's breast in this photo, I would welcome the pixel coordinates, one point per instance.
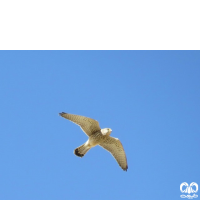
(96, 138)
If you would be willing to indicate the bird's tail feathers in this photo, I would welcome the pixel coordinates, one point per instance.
(82, 150)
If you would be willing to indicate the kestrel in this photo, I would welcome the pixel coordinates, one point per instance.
(97, 136)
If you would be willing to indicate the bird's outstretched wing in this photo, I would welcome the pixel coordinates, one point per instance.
(114, 146)
(88, 125)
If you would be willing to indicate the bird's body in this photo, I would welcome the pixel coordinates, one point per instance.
(96, 139)
(97, 136)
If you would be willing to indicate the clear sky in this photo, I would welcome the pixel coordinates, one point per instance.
(150, 99)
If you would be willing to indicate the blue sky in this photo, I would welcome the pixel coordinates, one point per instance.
(150, 99)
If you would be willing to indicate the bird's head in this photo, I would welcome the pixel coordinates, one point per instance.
(109, 130)
(106, 131)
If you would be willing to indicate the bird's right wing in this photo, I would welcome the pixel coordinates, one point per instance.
(114, 146)
(88, 125)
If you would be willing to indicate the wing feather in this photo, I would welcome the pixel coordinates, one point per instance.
(88, 125)
(114, 146)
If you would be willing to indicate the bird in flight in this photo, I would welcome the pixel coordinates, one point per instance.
(97, 136)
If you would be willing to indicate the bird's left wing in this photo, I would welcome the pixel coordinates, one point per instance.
(114, 146)
(88, 125)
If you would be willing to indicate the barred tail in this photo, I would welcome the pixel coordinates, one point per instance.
(82, 150)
